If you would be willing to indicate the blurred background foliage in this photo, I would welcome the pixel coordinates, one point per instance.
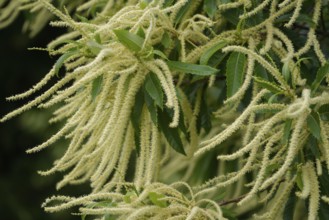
(22, 189)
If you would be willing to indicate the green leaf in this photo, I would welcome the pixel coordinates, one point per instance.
(171, 134)
(261, 72)
(110, 217)
(313, 145)
(160, 54)
(153, 88)
(94, 47)
(229, 213)
(313, 125)
(217, 59)
(211, 51)
(321, 74)
(168, 3)
(96, 87)
(267, 110)
(82, 18)
(302, 18)
(273, 99)
(286, 131)
(271, 168)
(144, 3)
(324, 109)
(151, 106)
(59, 63)
(101, 204)
(219, 195)
(323, 211)
(166, 40)
(76, 43)
(203, 171)
(324, 207)
(141, 33)
(210, 7)
(204, 118)
(324, 112)
(182, 127)
(98, 38)
(235, 72)
(286, 71)
(289, 209)
(136, 118)
(271, 86)
(128, 196)
(183, 10)
(201, 70)
(155, 199)
(132, 41)
(299, 180)
(232, 15)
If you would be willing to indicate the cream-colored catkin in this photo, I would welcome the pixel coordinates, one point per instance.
(284, 3)
(325, 142)
(311, 34)
(174, 9)
(86, 79)
(318, 167)
(247, 167)
(269, 39)
(125, 154)
(287, 42)
(300, 106)
(106, 168)
(69, 202)
(154, 153)
(118, 102)
(61, 133)
(193, 213)
(314, 192)
(88, 5)
(100, 130)
(294, 146)
(145, 148)
(325, 199)
(211, 143)
(35, 88)
(72, 155)
(164, 83)
(255, 10)
(63, 17)
(9, 13)
(295, 15)
(271, 192)
(318, 51)
(256, 141)
(283, 196)
(272, 70)
(261, 174)
(306, 182)
(227, 6)
(170, 81)
(249, 72)
(40, 98)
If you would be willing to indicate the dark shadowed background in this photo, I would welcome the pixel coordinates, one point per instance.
(22, 190)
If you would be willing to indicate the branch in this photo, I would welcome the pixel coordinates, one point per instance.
(238, 199)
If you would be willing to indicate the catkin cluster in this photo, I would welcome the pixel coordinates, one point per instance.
(182, 90)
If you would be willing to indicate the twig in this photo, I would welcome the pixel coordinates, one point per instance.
(238, 199)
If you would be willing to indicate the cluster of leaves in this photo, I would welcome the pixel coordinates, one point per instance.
(224, 95)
